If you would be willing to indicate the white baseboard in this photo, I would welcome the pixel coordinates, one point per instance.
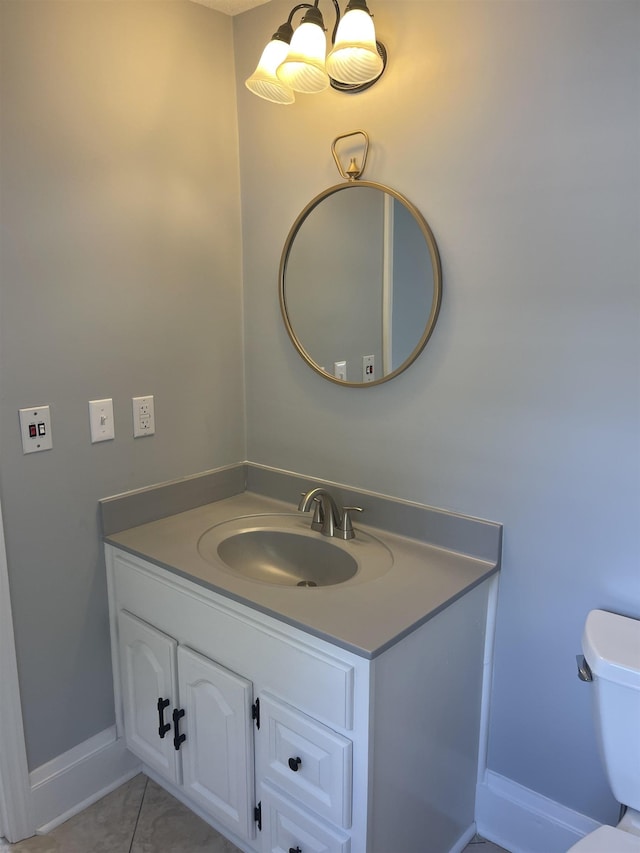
(522, 821)
(510, 815)
(464, 840)
(65, 786)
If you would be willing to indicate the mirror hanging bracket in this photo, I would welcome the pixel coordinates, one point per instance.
(354, 172)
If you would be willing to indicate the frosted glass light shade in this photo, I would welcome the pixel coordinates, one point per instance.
(304, 68)
(355, 58)
(264, 82)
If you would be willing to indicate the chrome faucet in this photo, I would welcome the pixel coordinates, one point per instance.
(327, 517)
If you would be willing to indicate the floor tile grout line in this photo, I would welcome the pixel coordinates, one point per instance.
(135, 828)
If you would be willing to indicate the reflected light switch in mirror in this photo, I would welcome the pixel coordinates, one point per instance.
(340, 370)
(368, 368)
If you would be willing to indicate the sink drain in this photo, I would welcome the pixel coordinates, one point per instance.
(306, 583)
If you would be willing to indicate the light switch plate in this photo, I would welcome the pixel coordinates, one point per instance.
(35, 429)
(101, 420)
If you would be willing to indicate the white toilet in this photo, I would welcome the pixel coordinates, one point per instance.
(611, 646)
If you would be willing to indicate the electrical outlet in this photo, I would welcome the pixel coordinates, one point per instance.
(340, 370)
(144, 421)
(35, 429)
(101, 420)
(368, 368)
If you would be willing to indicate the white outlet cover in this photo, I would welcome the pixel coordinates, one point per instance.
(144, 422)
(35, 429)
(101, 420)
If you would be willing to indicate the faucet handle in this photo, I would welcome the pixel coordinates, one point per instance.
(318, 515)
(345, 528)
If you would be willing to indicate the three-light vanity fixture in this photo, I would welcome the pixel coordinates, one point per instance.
(296, 61)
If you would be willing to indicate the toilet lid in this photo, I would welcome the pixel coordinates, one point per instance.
(608, 839)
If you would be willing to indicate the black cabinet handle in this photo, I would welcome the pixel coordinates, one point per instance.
(163, 727)
(295, 850)
(294, 764)
(177, 737)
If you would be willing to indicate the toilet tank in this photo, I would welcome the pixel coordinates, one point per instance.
(611, 646)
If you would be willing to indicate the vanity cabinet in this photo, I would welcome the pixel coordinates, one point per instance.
(290, 743)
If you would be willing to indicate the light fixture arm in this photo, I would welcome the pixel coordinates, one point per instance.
(336, 9)
(297, 9)
(316, 5)
(285, 31)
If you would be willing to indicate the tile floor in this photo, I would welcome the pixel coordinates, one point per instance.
(140, 817)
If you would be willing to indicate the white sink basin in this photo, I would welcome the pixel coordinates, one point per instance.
(282, 550)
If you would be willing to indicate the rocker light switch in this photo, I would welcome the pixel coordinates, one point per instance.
(35, 428)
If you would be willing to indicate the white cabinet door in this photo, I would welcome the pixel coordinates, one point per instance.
(149, 693)
(217, 753)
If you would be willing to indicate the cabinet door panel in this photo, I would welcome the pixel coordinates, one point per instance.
(217, 755)
(148, 673)
(286, 827)
(305, 758)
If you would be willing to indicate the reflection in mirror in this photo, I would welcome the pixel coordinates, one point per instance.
(360, 276)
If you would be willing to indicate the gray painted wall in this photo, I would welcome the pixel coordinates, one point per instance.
(120, 277)
(514, 128)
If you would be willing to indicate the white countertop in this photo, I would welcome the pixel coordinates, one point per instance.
(364, 616)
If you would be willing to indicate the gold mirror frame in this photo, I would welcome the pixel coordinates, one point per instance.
(435, 265)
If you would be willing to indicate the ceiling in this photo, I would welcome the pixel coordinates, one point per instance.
(231, 7)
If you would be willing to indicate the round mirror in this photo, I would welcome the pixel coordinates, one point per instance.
(360, 283)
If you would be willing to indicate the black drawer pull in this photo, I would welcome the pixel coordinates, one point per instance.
(294, 764)
(295, 850)
(163, 727)
(177, 737)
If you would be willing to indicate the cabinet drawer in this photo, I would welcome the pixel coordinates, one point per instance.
(306, 759)
(287, 827)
